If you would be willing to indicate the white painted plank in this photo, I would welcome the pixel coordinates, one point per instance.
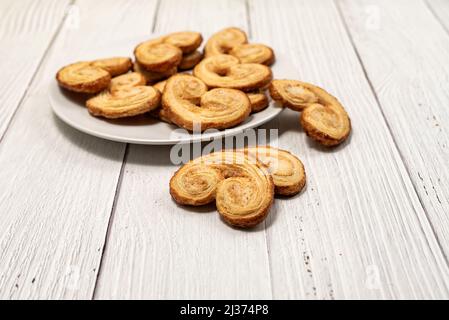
(406, 55)
(360, 216)
(157, 249)
(26, 30)
(58, 185)
(440, 8)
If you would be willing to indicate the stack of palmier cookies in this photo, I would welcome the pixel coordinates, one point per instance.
(228, 82)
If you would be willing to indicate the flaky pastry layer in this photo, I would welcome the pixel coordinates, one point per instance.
(242, 189)
(125, 102)
(225, 71)
(190, 105)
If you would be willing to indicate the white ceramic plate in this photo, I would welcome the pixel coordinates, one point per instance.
(69, 107)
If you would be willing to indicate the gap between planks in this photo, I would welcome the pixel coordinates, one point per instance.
(111, 219)
(36, 71)
(434, 14)
(390, 132)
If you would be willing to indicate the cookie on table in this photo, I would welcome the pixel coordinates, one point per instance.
(242, 189)
(323, 117)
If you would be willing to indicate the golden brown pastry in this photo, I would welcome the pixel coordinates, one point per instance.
(165, 53)
(223, 41)
(83, 77)
(160, 85)
(293, 94)
(125, 102)
(132, 79)
(259, 100)
(115, 66)
(191, 106)
(159, 57)
(225, 71)
(323, 118)
(287, 170)
(160, 113)
(242, 189)
(187, 41)
(329, 124)
(190, 60)
(153, 77)
(253, 53)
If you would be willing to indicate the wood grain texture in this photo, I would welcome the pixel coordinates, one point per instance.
(359, 230)
(26, 30)
(58, 185)
(406, 57)
(157, 249)
(440, 8)
(370, 224)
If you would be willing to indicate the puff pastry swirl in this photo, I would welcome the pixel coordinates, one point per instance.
(187, 41)
(242, 189)
(165, 53)
(187, 102)
(157, 57)
(124, 102)
(253, 53)
(115, 66)
(83, 77)
(223, 41)
(287, 170)
(132, 79)
(324, 119)
(225, 71)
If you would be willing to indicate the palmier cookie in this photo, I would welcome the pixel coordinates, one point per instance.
(190, 60)
(242, 189)
(191, 106)
(253, 53)
(187, 41)
(157, 57)
(225, 71)
(83, 77)
(323, 118)
(115, 66)
(224, 41)
(288, 172)
(151, 76)
(125, 102)
(132, 79)
(259, 100)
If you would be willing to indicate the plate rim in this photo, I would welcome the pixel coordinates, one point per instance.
(192, 139)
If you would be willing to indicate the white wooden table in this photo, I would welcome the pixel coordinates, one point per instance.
(84, 218)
